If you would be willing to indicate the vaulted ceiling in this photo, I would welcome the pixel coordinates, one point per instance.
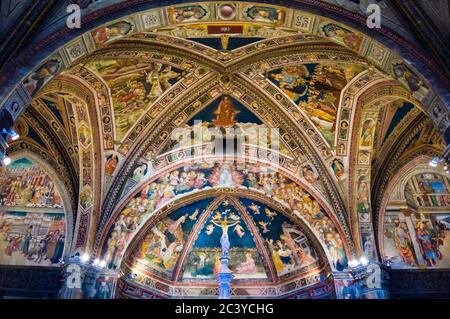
(347, 109)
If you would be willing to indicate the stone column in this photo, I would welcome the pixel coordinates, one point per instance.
(225, 276)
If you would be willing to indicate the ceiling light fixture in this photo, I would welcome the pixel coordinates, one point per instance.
(442, 161)
(85, 258)
(14, 136)
(4, 158)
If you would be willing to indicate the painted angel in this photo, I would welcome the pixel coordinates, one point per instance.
(264, 226)
(270, 213)
(255, 208)
(239, 230)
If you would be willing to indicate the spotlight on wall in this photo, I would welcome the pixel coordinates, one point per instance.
(96, 262)
(353, 263)
(12, 134)
(5, 160)
(363, 261)
(442, 161)
(85, 258)
(435, 161)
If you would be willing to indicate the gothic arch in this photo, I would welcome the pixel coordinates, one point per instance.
(144, 143)
(90, 153)
(218, 195)
(157, 175)
(352, 107)
(367, 108)
(397, 159)
(395, 191)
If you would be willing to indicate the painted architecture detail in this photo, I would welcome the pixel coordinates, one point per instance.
(124, 171)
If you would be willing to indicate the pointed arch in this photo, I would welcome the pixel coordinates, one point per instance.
(277, 287)
(152, 138)
(291, 182)
(90, 152)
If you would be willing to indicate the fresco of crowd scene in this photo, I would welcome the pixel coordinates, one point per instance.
(32, 222)
(159, 192)
(31, 238)
(25, 184)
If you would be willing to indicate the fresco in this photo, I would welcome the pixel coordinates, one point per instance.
(111, 162)
(409, 79)
(32, 220)
(104, 288)
(363, 199)
(342, 35)
(316, 89)
(160, 248)
(139, 172)
(348, 289)
(431, 235)
(203, 261)
(427, 135)
(417, 240)
(186, 14)
(23, 183)
(337, 165)
(134, 87)
(429, 190)
(37, 79)
(226, 43)
(362, 181)
(344, 124)
(367, 133)
(394, 115)
(84, 135)
(264, 14)
(165, 188)
(114, 31)
(420, 239)
(227, 112)
(290, 249)
(309, 173)
(31, 238)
